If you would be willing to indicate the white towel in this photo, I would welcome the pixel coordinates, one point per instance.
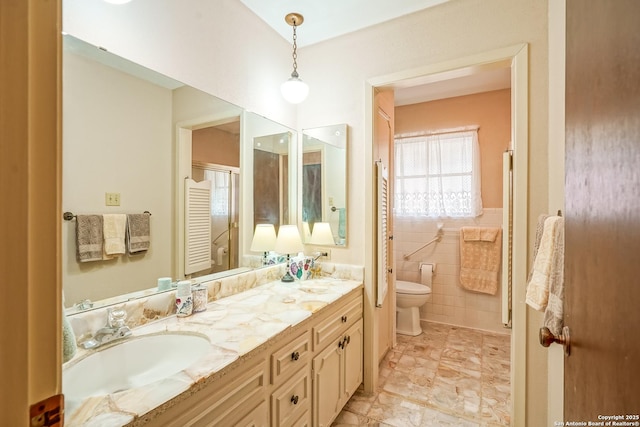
(554, 313)
(114, 230)
(544, 265)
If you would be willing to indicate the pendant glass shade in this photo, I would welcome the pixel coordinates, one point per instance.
(294, 90)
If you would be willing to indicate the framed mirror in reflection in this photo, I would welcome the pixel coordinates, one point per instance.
(131, 131)
(324, 184)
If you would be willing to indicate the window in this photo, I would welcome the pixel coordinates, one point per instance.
(438, 175)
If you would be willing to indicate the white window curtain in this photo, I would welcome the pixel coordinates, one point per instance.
(438, 174)
(220, 192)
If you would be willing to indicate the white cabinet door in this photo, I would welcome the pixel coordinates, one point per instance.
(327, 384)
(353, 360)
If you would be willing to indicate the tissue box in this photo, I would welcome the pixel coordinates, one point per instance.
(301, 267)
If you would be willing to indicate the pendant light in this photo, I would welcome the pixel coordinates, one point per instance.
(294, 90)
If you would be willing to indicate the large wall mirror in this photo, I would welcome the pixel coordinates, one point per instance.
(132, 132)
(324, 181)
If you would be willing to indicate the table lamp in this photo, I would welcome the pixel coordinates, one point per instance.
(322, 234)
(288, 242)
(264, 240)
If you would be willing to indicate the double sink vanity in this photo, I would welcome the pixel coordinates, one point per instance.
(264, 352)
(277, 354)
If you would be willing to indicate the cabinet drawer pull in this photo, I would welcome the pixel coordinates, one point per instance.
(341, 344)
(344, 319)
(295, 355)
(294, 400)
(348, 339)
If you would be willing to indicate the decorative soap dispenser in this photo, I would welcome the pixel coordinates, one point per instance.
(184, 299)
(68, 340)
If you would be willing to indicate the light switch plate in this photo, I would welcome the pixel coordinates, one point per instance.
(112, 199)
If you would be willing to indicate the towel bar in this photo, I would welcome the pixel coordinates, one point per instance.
(68, 216)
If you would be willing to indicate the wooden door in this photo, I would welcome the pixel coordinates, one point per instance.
(602, 246)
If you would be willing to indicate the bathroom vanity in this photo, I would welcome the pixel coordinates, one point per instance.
(281, 355)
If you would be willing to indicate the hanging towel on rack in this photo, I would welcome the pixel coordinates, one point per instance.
(88, 238)
(138, 233)
(480, 253)
(545, 263)
(554, 313)
(114, 230)
(536, 245)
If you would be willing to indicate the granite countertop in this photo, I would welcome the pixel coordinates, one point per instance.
(235, 326)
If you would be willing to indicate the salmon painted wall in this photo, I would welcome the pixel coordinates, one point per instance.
(489, 110)
(211, 145)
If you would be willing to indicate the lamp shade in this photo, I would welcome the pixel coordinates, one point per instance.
(264, 238)
(288, 240)
(322, 234)
(294, 90)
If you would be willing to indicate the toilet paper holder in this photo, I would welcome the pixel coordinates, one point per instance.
(428, 265)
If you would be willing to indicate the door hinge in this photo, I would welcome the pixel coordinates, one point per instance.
(47, 413)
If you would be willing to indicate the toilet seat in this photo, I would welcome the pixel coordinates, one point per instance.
(411, 288)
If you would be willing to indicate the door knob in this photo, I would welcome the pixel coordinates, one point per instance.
(547, 338)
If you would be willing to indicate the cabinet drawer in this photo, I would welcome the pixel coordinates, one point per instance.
(336, 323)
(292, 400)
(290, 358)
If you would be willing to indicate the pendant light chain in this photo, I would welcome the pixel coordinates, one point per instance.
(294, 90)
(295, 51)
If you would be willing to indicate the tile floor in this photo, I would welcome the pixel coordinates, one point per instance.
(447, 376)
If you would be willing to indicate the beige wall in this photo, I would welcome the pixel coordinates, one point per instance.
(489, 110)
(219, 47)
(118, 139)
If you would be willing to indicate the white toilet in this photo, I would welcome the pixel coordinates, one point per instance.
(410, 296)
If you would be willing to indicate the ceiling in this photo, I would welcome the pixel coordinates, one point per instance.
(480, 80)
(326, 19)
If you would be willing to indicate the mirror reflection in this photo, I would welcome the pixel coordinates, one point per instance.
(130, 138)
(324, 183)
(271, 179)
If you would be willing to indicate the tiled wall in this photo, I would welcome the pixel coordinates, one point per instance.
(449, 303)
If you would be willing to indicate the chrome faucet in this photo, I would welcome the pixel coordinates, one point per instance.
(116, 328)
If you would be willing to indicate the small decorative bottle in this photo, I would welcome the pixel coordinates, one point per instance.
(184, 299)
(199, 298)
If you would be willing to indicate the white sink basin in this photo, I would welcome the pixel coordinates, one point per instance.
(134, 362)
